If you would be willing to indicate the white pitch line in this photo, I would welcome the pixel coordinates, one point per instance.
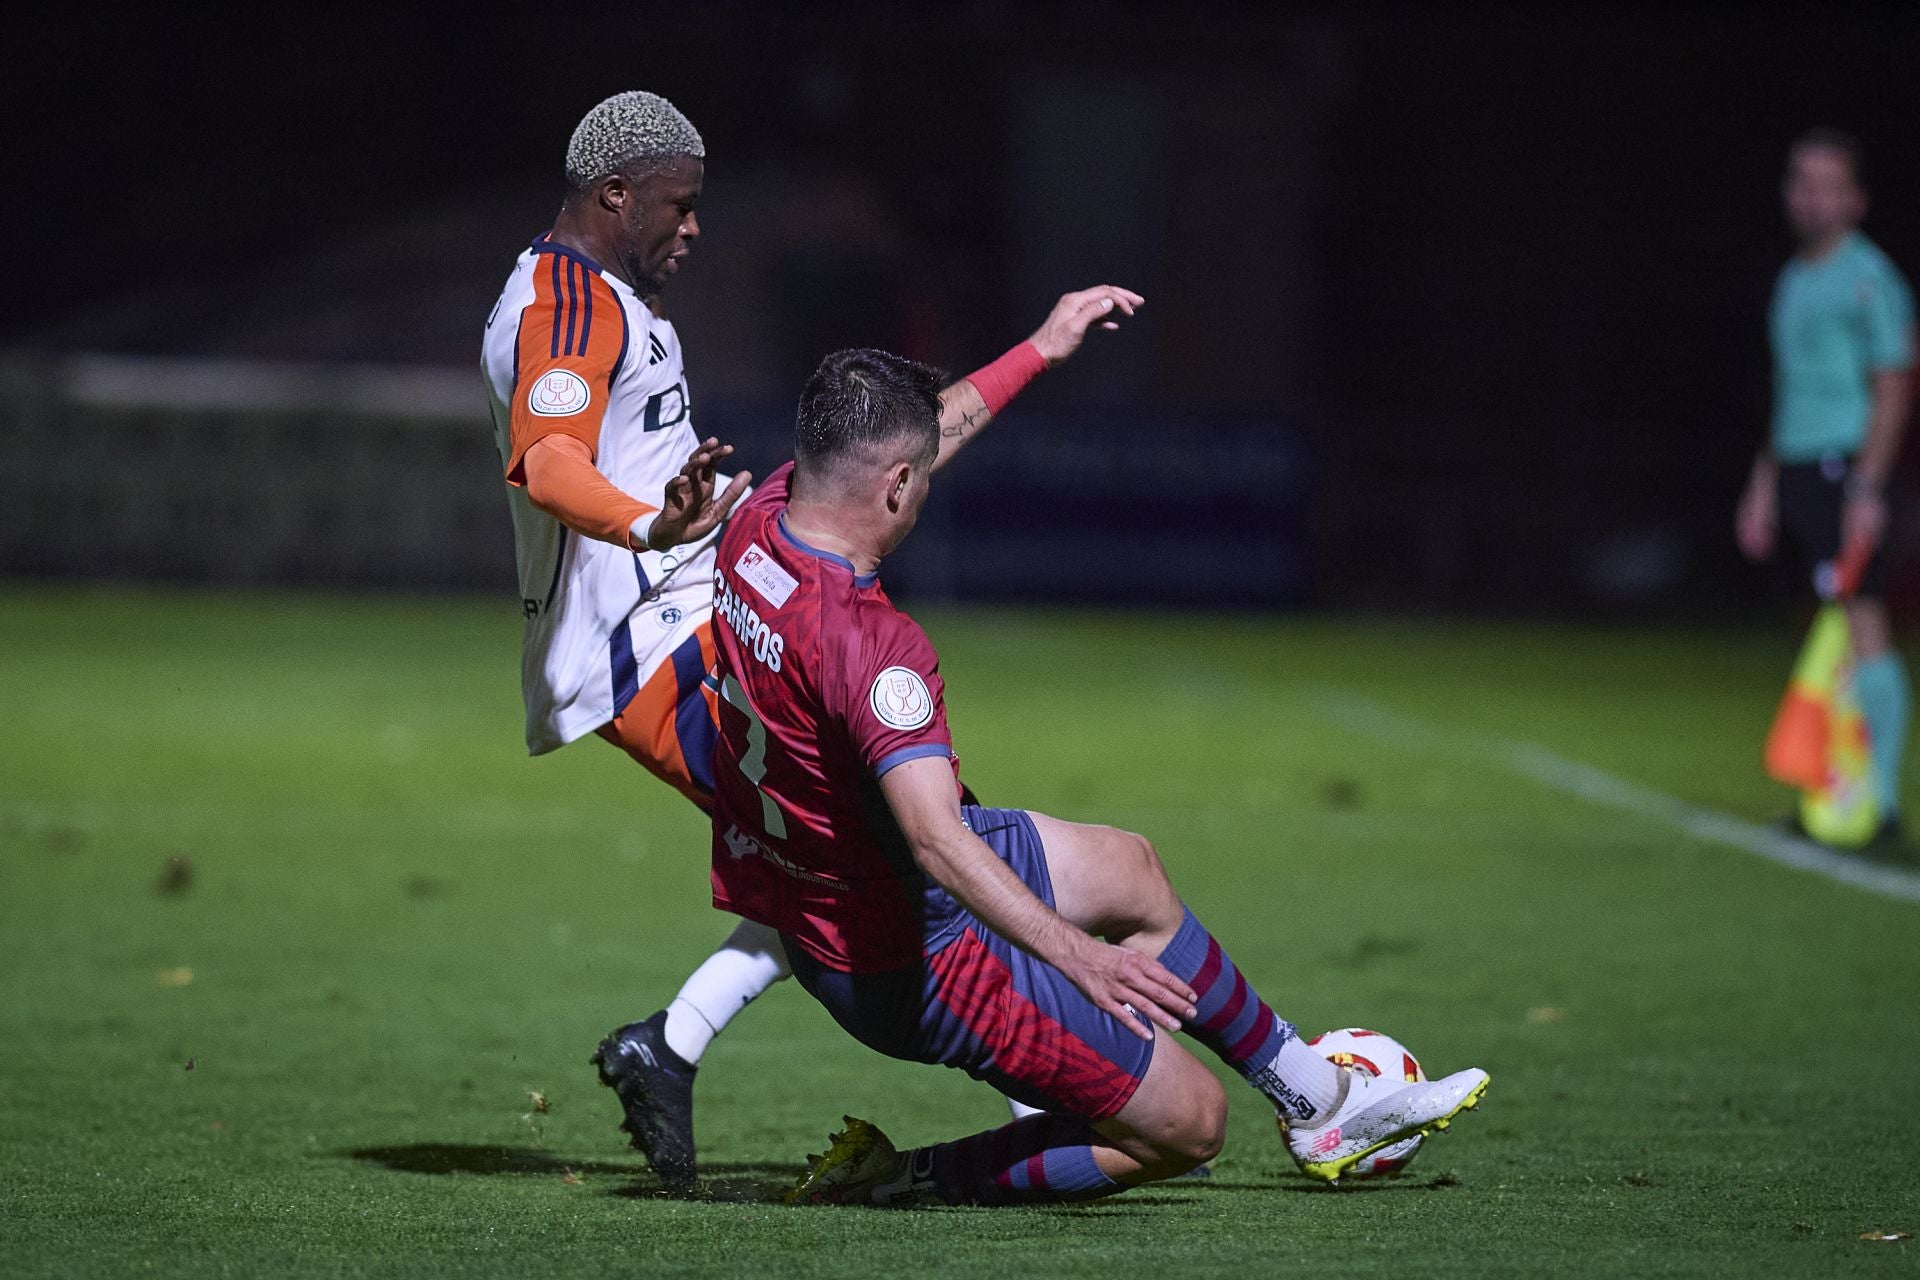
(1596, 786)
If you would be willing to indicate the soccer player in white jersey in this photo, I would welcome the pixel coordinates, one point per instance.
(615, 512)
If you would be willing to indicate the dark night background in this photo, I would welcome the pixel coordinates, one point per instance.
(1449, 308)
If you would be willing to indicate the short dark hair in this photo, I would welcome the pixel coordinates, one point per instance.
(859, 399)
(1837, 140)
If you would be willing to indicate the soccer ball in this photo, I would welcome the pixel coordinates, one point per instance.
(1377, 1055)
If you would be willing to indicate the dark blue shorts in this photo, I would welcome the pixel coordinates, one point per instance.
(980, 1004)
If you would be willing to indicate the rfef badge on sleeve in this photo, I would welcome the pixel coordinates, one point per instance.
(900, 699)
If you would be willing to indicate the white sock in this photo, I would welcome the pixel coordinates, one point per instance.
(1302, 1072)
(747, 963)
(1020, 1109)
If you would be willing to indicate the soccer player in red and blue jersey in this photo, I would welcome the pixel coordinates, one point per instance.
(1037, 955)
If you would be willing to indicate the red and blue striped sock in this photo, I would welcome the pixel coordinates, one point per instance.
(1041, 1159)
(1233, 1021)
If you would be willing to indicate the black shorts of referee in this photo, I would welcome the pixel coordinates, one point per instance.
(1812, 496)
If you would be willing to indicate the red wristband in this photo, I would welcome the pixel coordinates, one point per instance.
(999, 382)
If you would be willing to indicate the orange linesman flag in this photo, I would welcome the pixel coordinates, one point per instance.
(1818, 743)
(1800, 743)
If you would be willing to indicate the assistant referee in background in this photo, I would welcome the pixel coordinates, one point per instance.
(1841, 327)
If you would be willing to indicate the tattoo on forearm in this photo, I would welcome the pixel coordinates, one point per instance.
(970, 420)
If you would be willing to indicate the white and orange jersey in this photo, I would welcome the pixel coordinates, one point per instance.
(571, 349)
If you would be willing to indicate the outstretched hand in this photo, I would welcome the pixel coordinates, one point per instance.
(689, 511)
(1065, 327)
(1135, 988)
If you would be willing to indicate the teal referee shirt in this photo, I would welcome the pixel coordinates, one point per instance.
(1834, 323)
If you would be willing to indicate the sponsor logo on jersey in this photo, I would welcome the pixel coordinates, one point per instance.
(665, 409)
(670, 616)
(559, 394)
(742, 845)
(764, 575)
(900, 698)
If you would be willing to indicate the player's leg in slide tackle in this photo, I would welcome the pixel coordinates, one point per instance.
(1120, 1110)
(669, 728)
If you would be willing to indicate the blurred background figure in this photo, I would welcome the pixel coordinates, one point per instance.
(1841, 326)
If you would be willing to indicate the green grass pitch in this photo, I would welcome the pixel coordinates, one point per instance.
(309, 1048)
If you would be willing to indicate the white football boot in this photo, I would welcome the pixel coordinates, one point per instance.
(1376, 1112)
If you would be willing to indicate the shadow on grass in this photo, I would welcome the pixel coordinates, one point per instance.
(1371, 949)
(1302, 1187)
(437, 1157)
(742, 1182)
(752, 1182)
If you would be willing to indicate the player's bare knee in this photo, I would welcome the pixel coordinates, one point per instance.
(1198, 1139)
(1157, 901)
(1209, 1132)
(1201, 1129)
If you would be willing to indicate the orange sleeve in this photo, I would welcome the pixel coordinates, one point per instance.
(563, 482)
(572, 338)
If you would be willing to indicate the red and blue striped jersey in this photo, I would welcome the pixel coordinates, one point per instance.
(824, 687)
